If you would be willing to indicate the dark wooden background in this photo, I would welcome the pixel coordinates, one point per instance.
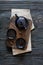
(36, 56)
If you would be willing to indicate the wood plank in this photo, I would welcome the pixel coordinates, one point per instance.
(36, 56)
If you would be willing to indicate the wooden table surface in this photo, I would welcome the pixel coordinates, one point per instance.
(36, 56)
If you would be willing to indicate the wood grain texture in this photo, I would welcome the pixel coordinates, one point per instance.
(36, 56)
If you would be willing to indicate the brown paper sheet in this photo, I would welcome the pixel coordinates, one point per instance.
(26, 13)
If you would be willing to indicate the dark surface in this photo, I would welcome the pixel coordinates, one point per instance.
(36, 56)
